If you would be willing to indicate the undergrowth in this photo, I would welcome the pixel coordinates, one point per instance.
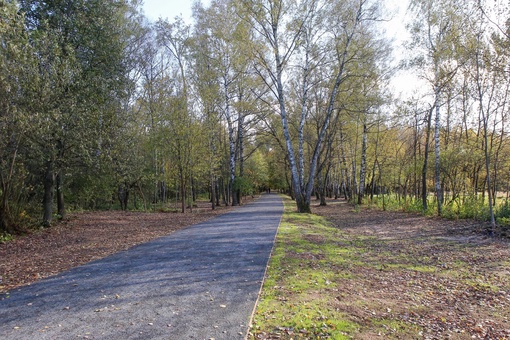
(470, 207)
(4, 237)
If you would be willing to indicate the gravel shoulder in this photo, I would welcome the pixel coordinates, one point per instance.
(199, 282)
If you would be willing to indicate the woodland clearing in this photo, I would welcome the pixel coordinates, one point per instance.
(354, 272)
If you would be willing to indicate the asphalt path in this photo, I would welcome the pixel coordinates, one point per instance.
(201, 282)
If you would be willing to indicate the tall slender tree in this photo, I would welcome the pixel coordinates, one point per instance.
(280, 28)
(435, 31)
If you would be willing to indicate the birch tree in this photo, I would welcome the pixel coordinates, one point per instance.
(176, 38)
(488, 64)
(281, 30)
(227, 39)
(436, 31)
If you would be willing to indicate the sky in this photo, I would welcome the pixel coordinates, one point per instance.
(154, 9)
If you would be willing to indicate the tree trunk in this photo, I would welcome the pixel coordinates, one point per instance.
(5, 190)
(303, 204)
(303, 191)
(345, 172)
(363, 171)
(183, 190)
(49, 187)
(485, 119)
(437, 152)
(296, 185)
(240, 140)
(5, 224)
(217, 185)
(321, 192)
(192, 197)
(232, 165)
(61, 211)
(123, 195)
(416, 152)
(213, 193)
(424, 193)
(354, 178)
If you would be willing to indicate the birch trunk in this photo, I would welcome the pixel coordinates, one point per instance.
(302, 205)
(424, 193)
(240, 140)
(268, 25)
(345, 171)
(437, 152)
(232, 163)
(485, 119)
(363, 170)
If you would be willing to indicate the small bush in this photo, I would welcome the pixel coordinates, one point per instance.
(244, 185)
(4, 237)
(414, 206)
(473, 208)
(503, 221)
(503, 211)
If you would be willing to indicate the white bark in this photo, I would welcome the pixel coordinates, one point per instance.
(363, 169)
(437, 152)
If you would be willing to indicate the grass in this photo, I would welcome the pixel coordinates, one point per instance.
(295, 299)
(331, 282)
(469, 207)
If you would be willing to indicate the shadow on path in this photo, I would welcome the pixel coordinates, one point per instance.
(197, 283)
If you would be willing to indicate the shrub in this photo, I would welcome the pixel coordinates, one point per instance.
(4, 237)
(503, 211)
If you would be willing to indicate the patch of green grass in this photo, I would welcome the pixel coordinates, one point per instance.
(413, 267)
(309, 319)
(481, 284)
(4, 237)
(395, 329)
(301, 276)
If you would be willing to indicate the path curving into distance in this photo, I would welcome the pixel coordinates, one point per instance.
(201, 282)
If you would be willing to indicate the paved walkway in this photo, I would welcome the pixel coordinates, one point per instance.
(201, 282)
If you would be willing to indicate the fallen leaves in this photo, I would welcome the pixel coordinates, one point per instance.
(392, 275)
(84, 237)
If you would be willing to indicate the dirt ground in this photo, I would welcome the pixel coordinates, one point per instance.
(88, 236)
(444, 277)
(200, 282)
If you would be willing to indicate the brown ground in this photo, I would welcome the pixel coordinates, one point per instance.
(84, 237)
(467, 295)
(444, 277)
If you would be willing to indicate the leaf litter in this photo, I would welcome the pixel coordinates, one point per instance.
(394, 276)
(88, 236)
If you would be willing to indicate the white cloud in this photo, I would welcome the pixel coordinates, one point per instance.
(155, 9)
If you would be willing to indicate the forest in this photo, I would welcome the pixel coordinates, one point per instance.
(101, 108)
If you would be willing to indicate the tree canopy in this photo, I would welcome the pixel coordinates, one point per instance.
(101, 108)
